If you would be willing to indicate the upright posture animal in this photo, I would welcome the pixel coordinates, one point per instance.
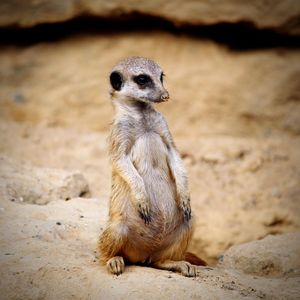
(149, 213)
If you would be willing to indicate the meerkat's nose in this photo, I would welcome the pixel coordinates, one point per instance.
(165, 96)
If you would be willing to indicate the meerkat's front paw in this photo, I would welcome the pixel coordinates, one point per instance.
(116, 265)
(186, 208)
(144, 211)
(143, 208)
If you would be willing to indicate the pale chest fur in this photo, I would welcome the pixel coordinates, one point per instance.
(143, 134)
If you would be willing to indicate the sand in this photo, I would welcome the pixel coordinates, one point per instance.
(234, 116)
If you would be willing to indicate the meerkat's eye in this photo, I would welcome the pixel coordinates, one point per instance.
(116, 80)
(162, 77)
(142, 79)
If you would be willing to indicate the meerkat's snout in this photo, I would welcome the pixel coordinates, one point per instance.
(165, 96)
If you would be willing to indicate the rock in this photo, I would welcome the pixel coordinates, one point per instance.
(214, 157)
(272, 256)
(27, 184)
(278, 15)
(50, 252)
(221, 94)
(225, 198)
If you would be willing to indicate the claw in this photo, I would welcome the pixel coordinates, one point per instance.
(188, 270)
(187, 213)
(146, 217)
(145, 213)
(116, 265)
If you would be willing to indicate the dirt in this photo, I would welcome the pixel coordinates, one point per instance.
(49, 251)
(281, 16)
(214, 90)
(221, 169)
(234, 116)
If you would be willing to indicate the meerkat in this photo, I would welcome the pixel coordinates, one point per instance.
(150, 219)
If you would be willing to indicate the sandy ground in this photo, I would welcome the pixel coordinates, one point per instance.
(214, 90)
(49, 251)
(221, 169)
(235, 119)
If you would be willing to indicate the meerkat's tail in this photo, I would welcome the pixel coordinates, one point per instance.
(194, 259)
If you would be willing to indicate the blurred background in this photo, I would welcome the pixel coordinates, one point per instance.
(233, 73)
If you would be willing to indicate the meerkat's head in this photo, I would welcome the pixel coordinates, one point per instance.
(139, 79)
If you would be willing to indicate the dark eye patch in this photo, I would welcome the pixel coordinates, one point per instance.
(142, 80)
(116, 80)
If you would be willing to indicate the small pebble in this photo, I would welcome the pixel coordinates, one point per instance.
(58, 223)
(18, 98)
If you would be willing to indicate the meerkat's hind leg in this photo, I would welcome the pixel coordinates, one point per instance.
(111, 243)
(183, 267)
(173, 257)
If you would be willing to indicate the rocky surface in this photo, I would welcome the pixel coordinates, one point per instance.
(282, 16)
(213, 89)
(22, 183)
(242, 189)
(273, 256)
(235, 119)
(49, 252)
(234, 116)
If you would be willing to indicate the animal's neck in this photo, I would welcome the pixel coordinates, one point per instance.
(131, 107)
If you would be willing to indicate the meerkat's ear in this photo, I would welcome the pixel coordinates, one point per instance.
(116, 80)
